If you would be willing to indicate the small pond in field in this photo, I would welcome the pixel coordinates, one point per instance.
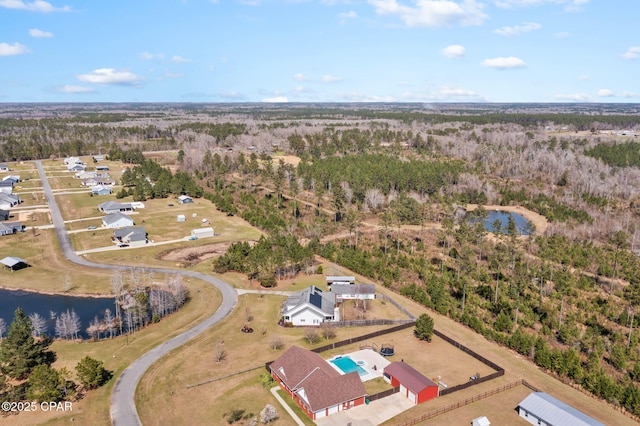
(47, 305)
(522, 223)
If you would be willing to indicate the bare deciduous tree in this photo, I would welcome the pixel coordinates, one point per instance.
(328, 331)
(311, 336)
(220, 353)
(38, 324)
(276, 343)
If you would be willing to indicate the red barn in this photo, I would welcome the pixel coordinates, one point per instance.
(413, 384)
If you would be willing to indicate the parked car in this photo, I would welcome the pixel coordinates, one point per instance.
(170, 205)
(193, 238)
(92, 227)
(123, 245)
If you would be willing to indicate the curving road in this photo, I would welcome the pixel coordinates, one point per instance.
(123, 409)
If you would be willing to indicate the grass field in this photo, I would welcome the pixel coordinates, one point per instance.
(195, 363)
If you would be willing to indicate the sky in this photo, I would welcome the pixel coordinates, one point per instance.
(320, 51)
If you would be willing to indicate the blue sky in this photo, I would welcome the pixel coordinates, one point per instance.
(320, 51)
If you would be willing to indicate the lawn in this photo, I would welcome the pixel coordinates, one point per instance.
(117, 354)
(48, 269)
(163, 393)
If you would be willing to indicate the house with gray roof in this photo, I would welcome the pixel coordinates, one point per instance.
(114, 207)
(101, 190)
(6, 186)
(9, 199)
(310, 307)
(540, 408)
(4, 167)
(11, 178)
(10, 228)
(133, 236)
(117, 220)
(4, 214)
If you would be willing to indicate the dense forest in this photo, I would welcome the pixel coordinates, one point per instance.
(384, 191)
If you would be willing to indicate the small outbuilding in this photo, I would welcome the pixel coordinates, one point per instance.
(4, 214)
(4, 167)
(337, 279)
(181, 218)
(202, 232)
(185, 199)
(413, 384)
(540, 408)
(14, 263)
(481, 421)
(353, 291)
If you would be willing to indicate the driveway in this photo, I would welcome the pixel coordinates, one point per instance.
(374, 413)
(123, 409)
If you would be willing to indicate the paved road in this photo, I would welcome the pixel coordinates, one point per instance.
(123, 409)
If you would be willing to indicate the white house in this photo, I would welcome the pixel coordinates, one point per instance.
(6, 186)
(353, 291)
(310, 306)
(540, 408)
(9, 199)
(481, 421)
(202, 232)
(72, 160)
(117, 220)
(4, 167)
(76, 167)
(12, 178)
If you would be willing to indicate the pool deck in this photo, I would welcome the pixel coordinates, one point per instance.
(371, 358)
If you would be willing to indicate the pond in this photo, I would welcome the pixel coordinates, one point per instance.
(522, 223)
(45, 304)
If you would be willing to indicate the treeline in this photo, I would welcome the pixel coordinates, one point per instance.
(150, 180)
(26, 373)
(386, 173)
(618, 155)
(275, 257)
(547, 206)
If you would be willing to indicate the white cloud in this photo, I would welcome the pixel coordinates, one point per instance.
(151, 56)
(526, 27)
(562, 34)
(277, 99)
(74, 89)
(345, 16)
(574, 97)
(14, 49)
(34, 32)
(301, 77)
(36, 6)
(454, 51)
(632, 53)
(569, 5)
(630, 95)
(606, 93)
(433, 13)
(510, 62)
(328, 78)
(110, 76)
(179, 60)
(584, 77)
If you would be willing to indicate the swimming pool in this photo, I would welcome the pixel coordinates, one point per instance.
(347, 365)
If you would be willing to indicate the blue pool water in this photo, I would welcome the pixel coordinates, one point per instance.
(347, 365)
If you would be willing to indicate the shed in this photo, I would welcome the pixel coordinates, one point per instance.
(338, 279)
(481, 421)
(14, 263)
(185, 199)
(202, 232)
(181, 218)
(540, 408)
(4, 167)
(413, 384)
(102, 168)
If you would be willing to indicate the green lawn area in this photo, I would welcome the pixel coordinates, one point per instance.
(376, 385)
